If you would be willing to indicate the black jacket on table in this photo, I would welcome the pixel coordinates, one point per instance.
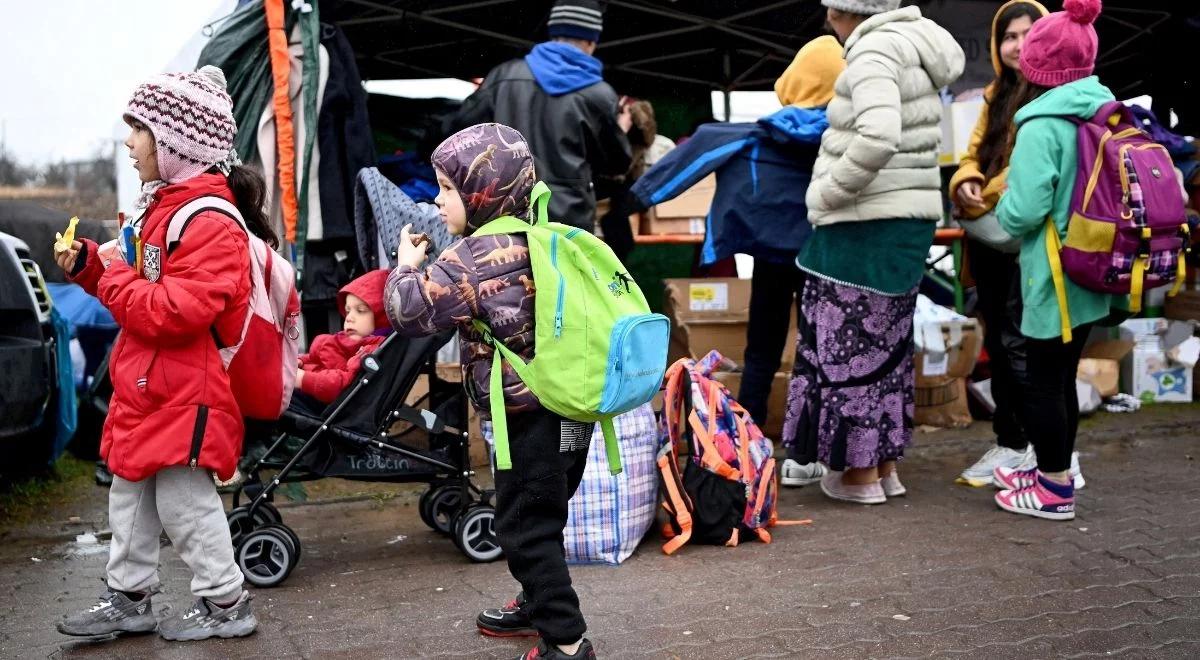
(574, 136)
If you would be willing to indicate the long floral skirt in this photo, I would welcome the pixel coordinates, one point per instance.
(850, 400)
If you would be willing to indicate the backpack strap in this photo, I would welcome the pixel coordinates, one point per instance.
(1053, 246)
(540, 200)
(184, 215)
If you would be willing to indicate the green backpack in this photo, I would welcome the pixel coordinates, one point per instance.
(599, 352)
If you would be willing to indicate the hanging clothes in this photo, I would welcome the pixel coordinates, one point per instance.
(266, 142)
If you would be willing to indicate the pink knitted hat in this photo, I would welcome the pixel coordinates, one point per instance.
(191, 118)
(1061, 47)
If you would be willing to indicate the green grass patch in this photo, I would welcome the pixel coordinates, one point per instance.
(23, 499)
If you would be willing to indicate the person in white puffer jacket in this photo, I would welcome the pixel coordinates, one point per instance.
(879, 156)
(874, 201)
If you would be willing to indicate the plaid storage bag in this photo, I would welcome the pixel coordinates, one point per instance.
(610, 514)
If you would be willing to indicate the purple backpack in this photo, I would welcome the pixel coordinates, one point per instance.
(1128, 225)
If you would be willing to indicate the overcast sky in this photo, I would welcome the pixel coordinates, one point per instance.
(67, 67)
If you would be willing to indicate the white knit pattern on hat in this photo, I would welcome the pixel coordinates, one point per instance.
(579, 15)
(191, 118)
(863, 7)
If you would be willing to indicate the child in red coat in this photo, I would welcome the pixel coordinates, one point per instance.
(333, 360)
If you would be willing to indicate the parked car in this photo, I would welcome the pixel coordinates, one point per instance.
(28, 361)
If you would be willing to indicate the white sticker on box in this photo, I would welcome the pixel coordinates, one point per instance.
(708, 297)
(935, 364)
(696, 226)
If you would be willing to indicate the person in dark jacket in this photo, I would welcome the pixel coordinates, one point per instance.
(555, 96)
(763, 170)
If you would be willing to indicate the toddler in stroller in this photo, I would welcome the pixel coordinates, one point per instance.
(349, 419)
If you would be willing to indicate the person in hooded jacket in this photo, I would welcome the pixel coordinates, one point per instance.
(974, 190)
(763, 169)
(1045, 334)
(555, 96)
(874, 202)
(173, 422)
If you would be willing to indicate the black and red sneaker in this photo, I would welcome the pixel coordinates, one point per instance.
(512, 620)
(544, 651)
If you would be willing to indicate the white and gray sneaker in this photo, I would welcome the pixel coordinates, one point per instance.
(1076, 471)
(113, 613)
(204, 619)
(794, 474)
(980, 474)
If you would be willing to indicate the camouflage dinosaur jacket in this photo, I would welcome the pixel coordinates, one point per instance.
(485, 277)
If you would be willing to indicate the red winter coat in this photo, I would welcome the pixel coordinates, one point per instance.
(171, 402)
(332, 362)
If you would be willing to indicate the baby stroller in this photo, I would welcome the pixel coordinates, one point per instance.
(369, 434)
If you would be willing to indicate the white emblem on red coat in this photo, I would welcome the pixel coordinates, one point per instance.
(151, 262)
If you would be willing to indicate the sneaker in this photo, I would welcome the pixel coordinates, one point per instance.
(204, 619)
(113, 613)
(980, 474)
(544, 651)
(892, 486)
(1038, 501)
(508, 621)
(1006, 478)
(794, 474)
(1076, 472)
(832, 486)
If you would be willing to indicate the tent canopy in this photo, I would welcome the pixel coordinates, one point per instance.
(657, 47)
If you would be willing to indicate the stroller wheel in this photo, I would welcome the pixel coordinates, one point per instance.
(476, 534)
(444, 504)
(291, 536)
(267, 556)
(425, 508)
(240, 523)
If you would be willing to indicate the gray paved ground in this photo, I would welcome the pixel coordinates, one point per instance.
(941, 573)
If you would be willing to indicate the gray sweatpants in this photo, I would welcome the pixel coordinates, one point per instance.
(185, 503)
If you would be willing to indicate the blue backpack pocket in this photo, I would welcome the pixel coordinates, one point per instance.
(637, 360)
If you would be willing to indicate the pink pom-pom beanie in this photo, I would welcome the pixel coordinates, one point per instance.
(191, 118)
(1061, 48)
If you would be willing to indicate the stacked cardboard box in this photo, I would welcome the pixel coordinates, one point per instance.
(941, 385)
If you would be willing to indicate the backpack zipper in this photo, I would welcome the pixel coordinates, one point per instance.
(562, 287)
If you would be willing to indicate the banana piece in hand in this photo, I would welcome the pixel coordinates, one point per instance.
(63, 242)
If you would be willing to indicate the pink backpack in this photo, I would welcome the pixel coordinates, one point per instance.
(262, 365)
(1128, 227)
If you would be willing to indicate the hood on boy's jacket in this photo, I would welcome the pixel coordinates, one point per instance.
(492, 167)
(1081, 99)
(791, 124)
(808, 80)
(369, 289)
(997, 65)
(560, 68)
(941, 56)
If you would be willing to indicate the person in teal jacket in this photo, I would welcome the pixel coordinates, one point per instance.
(1057, 62)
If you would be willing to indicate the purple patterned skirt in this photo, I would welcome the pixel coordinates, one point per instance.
(850, 400)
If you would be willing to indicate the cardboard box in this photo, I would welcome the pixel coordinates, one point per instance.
(776, 402)
(963, 341)
(942, 401)
(1154, 379)
(691, 203)
(712, 313)
(1184, 307)
(1101, 365)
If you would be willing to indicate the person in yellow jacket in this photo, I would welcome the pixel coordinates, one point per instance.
(975, 190)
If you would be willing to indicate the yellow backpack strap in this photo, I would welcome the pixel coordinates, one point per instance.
(1181, 264)
(1053, 246)
(1137, 275)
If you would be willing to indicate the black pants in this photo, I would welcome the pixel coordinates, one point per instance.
(549, 454)
(774, 292)
(1043, 371)
(995, 273)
